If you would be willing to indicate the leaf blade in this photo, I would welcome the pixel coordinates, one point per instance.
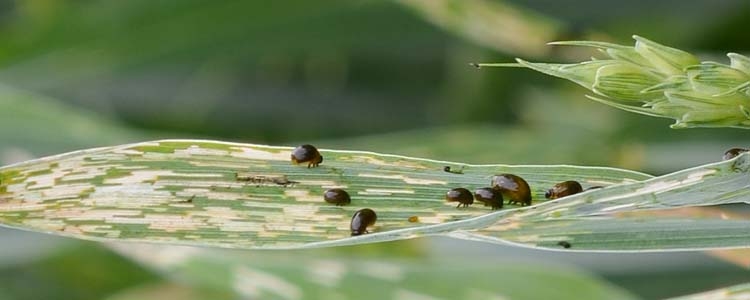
(190, 192)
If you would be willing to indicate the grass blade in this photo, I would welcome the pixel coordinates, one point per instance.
(188, 192)
(352, 275)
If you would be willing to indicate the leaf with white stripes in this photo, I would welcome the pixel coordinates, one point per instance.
(249, 196)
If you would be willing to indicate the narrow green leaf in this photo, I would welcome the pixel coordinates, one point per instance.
(273, 275)
(248, 196)
(718, 183)
(623, 234)
(737, 292)
(594, 220)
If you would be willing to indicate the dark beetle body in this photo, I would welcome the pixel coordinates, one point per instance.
(307, 154)
(732, 153)
(337, 196)
(564, 244)
(460, 195)
(490, 197)
(515, 188)
(361, 220)
(562, 189)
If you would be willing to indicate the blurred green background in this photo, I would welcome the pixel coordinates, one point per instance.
(385, 76)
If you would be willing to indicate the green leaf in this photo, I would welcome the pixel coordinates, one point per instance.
(737, 292)
(597, 220)
(350, 275)
(44, 125)
(249, 196)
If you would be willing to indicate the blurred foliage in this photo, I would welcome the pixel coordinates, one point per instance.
(360, 75)
(87, 271)
(170, 290)
(281, 72)
(268, 72)
(738, 292)
(238, 69)
(316, 274)
(32, 125)
(494, 24)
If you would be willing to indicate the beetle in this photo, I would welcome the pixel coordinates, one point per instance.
(460, 195)
(337, 196)
(490, 197)
(307, 154)
(734, 152)
(513, 187)
(562, 189)
(362, 219)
